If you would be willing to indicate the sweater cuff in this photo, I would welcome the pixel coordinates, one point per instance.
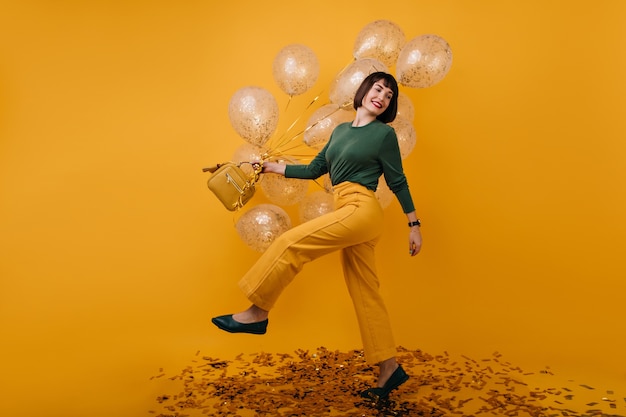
(404, 197)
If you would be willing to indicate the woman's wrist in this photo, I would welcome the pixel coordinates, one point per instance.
(415, 223)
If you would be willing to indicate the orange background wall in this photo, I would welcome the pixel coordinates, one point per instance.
(114, 255)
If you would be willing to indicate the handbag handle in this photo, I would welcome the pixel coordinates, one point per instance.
(211, 169)
(257, 166)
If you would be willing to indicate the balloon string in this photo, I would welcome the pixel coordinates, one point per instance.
(288, 102)
(311, 126)
(296, 121)
(316, 122)
(283, 140)
(282, 152)
(345, 68)
(278, 153)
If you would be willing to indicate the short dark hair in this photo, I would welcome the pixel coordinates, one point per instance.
(389, 115)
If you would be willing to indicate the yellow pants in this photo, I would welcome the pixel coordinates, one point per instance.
(354, 227)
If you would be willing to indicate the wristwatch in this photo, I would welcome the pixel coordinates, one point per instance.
(415, 223)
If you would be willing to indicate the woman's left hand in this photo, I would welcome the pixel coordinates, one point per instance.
(415, 240)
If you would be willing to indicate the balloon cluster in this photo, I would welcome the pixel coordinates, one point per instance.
(253, 112)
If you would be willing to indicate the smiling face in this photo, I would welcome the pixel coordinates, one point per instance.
(378, 98)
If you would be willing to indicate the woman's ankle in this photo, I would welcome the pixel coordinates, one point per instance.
(386, 369)
(253, 314)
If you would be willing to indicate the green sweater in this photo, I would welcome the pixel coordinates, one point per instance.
(360, 155)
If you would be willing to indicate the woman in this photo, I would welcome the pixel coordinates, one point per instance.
(356, 155)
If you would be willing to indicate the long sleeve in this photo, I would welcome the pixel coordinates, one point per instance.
(315, 169)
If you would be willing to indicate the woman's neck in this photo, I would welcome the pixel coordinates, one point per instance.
(362, 118)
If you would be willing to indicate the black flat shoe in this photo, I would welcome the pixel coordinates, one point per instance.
(396, 379)
(229, 324)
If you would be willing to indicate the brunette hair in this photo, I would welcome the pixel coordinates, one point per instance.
(389, 115)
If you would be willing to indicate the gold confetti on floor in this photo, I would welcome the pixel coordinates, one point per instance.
(328, 383)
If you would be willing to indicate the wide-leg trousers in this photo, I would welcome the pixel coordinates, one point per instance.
(353, 228)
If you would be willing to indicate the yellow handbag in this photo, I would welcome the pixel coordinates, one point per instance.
(231, 185)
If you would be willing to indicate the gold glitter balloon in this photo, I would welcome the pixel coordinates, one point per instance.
(283, 191)
(423, 61)
(406, 109)
(322, 123)
(315, 204)
(253, 113)
(261, 225)
(346, 83)
(406, 135)
(381, 40)
(295, 69)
